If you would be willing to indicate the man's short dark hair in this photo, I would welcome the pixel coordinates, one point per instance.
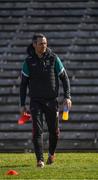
(36, 36)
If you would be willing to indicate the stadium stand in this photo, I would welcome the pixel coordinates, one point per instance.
(71, 27)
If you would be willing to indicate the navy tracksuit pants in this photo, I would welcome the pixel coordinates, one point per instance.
(49, 108)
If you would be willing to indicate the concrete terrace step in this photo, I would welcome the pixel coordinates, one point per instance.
(48, 20)
(48, 5)
(60, 50)
(85, 99)
(74, 82)
(54, 35)
(79, 90)
(56, 13)
(53, 43)
(49, 27)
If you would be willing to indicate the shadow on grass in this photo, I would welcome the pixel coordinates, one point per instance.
(12, 166)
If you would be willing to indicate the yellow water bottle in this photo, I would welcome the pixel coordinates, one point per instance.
(65, 114)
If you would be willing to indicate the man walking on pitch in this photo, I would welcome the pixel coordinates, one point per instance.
(40, 73)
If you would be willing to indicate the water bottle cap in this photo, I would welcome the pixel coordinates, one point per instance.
(65, 108)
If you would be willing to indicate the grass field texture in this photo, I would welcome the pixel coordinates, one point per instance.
(67, 166)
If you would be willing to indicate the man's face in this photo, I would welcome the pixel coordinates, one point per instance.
(41, 45)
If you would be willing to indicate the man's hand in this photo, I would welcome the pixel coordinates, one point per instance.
(22, 110)
(68, 103)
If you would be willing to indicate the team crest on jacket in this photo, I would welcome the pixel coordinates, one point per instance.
(33, 64)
